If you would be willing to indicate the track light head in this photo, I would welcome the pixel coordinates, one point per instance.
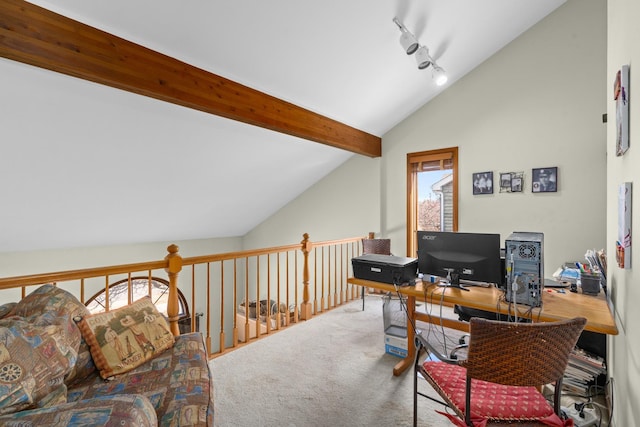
(407, 40)
(422, 58)
(409, 43)
(439, 75)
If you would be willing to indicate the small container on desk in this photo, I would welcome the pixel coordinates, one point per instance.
(590, 283)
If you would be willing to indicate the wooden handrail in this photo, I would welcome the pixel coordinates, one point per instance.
(86, 273)
(200, 259)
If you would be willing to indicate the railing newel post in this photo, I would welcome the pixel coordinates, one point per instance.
(174, 265)
(305, 307)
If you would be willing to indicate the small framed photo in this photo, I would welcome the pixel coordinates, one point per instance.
(511, 182)
(516, 184)
(505, 181)
(483, 183)
(544, 180)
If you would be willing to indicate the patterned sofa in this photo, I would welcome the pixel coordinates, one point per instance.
(54, 366)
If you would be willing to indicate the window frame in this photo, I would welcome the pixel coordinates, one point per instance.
(415, 164)
(183, 306)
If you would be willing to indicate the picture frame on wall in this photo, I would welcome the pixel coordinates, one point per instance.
(621, 96)
(623, 244)
(483, 183)
(505, 181)
(544, 180)
(516, 184)
(511, 182)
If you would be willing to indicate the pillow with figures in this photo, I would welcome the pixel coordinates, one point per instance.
(123, 339)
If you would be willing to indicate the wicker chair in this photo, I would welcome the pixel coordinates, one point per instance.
(375, 246)
(508, 363)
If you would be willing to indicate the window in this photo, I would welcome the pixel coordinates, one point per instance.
(432, 193)
(125, 292)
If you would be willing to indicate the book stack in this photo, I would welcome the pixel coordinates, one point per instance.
(583, 372)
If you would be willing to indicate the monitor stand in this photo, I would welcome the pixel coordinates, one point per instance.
(453, 280)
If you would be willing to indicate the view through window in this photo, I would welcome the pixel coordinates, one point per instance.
(431, 200)
(124, 292)
(432, 193)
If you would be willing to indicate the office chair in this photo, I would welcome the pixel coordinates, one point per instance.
(372, 245)
(499, 380)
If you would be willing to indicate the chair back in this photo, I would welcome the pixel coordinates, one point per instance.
(376, 246)
(521, 354)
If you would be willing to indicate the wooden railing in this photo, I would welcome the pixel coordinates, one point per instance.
(286, 284)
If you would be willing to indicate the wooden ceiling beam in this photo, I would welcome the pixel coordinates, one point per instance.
(39, 37)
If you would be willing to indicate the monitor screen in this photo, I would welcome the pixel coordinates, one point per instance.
(460, 256)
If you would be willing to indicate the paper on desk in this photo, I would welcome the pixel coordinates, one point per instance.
(567, 274)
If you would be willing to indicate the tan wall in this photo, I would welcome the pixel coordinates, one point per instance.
(20, 263)
(344, 204)
(624, 349)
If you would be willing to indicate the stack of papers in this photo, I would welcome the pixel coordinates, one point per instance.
(567, 273)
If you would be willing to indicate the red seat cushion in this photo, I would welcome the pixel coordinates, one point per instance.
(490, 400)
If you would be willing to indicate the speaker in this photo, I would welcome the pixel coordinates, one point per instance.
(524, 261)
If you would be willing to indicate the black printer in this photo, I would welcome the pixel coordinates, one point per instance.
(385, 268)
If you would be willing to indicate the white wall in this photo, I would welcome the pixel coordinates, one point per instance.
(624, 349)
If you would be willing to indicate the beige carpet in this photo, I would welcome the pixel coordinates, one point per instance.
(329, 371)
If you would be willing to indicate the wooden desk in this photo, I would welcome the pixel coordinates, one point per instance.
(555, 306)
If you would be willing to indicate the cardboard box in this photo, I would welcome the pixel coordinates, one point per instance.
(240, 323)
(395, 346)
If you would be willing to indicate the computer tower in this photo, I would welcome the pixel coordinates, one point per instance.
(524, 262)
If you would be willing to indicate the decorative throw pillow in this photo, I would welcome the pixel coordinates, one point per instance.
(50, 298)
(35, 355)
(123, 339)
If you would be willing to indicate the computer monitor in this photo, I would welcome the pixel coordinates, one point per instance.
(460, 256)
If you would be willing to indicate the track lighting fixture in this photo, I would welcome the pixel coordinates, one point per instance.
(407, 40)
(411, 45)
(439, 75)
(422, 58)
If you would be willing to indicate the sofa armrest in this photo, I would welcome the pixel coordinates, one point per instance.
(117, 410)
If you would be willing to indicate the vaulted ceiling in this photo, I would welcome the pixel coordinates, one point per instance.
(92, 165)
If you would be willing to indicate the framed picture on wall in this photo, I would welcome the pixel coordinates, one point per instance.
(516, 184)
(623, 245)
(505, 181)
(621, 96)
(544, 180)
(483, 183)
(511, 182)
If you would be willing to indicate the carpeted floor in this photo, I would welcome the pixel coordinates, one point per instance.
(329, 371)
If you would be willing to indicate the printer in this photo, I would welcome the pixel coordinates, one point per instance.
(385, 268)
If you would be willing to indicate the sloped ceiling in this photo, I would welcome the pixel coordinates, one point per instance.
(88, 165)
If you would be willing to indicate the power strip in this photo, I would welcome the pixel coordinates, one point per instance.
(589, 414)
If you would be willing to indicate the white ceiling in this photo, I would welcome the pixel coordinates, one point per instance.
(97, 152)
